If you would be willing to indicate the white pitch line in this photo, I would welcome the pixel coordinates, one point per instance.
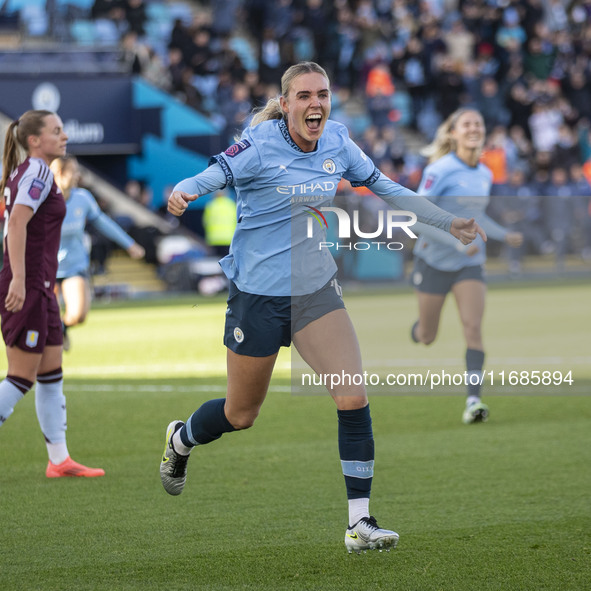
(154, 369)
(456, 361)
(162, 388)
(297, 390)
(167, 369)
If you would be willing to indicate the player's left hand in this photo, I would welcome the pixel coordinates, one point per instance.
(514, 239)
(136, 251)
(466, 230)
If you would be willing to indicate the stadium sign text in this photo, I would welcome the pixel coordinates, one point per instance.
(84, 133)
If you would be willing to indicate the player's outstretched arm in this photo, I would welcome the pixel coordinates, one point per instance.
(211, 179)
(466, 230)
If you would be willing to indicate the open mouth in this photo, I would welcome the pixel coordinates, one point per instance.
(313, 121)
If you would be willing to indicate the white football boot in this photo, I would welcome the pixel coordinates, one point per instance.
(366, 534)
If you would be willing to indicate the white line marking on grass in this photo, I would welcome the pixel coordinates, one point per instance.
(194, 369)
(457, 361)
(155, 369)
(297, 390)
(163, 388)
(500, 361)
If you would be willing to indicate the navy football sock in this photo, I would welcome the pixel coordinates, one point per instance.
(412, 332)
(356, 449)
(206, 424)
(474, 363)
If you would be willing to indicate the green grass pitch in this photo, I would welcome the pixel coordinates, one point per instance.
(500, 506)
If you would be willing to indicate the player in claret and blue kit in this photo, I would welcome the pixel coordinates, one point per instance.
(283, 287)
(31, 325)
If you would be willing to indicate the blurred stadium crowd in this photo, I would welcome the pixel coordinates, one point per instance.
(398, 68)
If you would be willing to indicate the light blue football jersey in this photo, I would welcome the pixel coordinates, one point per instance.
(277, 184)
(464, 191)
(81, 207)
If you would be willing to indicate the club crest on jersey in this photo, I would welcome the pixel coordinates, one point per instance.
(36, 188)
(235, 149)
(238, 335)
(329, 166)
(32, 338)
(429, 181)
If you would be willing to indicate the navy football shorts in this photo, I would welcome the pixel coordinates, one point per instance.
(83, 274)
(427, 279)
(258, 325)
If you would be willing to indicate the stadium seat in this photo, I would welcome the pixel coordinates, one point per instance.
(158, 26)
(158, 30)
(157, 36)
(245, 52)
(181, 11)
(158, 12)
(403, 103)
(304, 47)
(85, 5)
(83, 32)
(375, 265)
(35, 20)
(18, 5)
(106, 32)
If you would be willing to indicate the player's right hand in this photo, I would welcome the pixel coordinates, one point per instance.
(15, 299)
(466, 230)
(179, 201)
(136, 251)
(514, 239)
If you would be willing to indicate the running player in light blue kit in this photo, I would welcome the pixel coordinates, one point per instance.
(283, 286)
(73, 274)
(456, 181)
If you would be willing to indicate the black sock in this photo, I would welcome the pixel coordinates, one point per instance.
(206, 424)
(356, 449)
(474, 363)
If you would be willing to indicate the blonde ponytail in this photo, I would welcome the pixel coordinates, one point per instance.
(443, 143)
(11, 156)
(272, 110)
